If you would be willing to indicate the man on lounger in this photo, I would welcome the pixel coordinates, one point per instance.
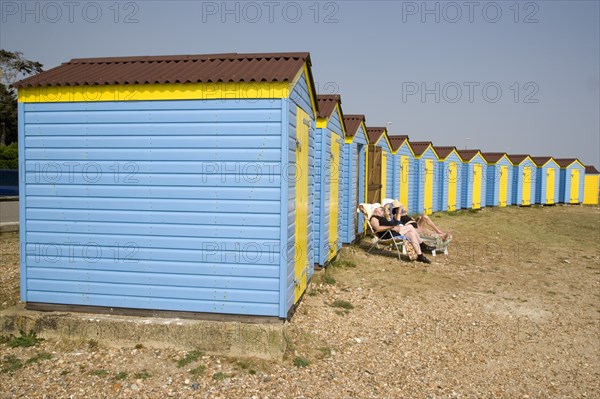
(400, 216)
(382, 227)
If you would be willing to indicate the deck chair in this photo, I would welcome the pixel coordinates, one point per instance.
(388, 241)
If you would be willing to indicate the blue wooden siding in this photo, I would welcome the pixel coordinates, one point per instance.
(565, 183)
(300, 97)
(419, 187)
(153, 205)
(517, 184)
(322, 187)
(349, 193)
(541, 182)
(492, 197)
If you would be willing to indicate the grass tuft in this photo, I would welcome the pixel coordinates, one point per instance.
(24, 340)
(190, 357)
(339, 303)
(301, 362)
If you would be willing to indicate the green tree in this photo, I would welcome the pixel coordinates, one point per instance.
(12, 67)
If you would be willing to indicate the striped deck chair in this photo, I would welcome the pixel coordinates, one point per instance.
(400, 244)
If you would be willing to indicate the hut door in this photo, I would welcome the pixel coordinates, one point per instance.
(404, 174)
(574, 186)
(476, 186)
(526, 186)
(452, 177)
(374, 174)
(429, 166)
(382, 194)
(550, 186)
(502, 196)
(301, 204)
(334, 203)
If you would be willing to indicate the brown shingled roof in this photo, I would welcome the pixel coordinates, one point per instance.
(467, 155)
(419, 147)
(591, 170)
(202, 68)
(564, 162)
(540, 161)
(517, 158)
(397, 141)
(352, 123)
(493, 157)
(375, 134)
(443, 151)
(327, 103)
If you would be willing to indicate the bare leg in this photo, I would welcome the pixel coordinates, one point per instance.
(413, 236)
(426, 221)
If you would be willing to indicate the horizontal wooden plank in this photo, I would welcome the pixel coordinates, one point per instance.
(156, 217)
(214, 231)
(180, 154)
(109, 130)
(229, 194)
(117, 261)
(173, 280)
(158, 204)
(179, 304)
(154, 116)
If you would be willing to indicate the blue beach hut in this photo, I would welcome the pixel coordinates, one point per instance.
(449, 178)
(329, 140)
(168, 183)
(547, 178)
(473, 179)
(572, 180)
(379, 165)
(354, 176)
(499, 179)
(424, 185)
(524, 176)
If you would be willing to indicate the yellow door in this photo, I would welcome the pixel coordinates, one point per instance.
(502, 195)
(550, 186)
(334, 195)
(405, 164)
(526, 186)
(428, 198)
(476, 186)
(301, 221)
(452, 177)
(383, 175)
(574, 186)
(590, 189)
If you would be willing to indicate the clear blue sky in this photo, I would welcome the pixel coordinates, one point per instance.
(521, 77)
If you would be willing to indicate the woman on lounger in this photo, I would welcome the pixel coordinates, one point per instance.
(400, 215)
(382, 226)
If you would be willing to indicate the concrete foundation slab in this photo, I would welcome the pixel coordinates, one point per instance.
(234, 339)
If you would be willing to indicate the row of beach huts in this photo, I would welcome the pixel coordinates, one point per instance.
(216, 183)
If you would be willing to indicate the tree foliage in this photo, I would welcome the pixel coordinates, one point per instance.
(12, 67)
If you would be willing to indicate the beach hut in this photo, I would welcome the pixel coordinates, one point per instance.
(547, 179)
(524, 176)
(354, 176)
(499, 179)
(590, 185)
(572, 177)
(425, 187)
(329, 140)
(403, 160)
(380, 165)
(449, 178)
(474, 179)
(168, 183)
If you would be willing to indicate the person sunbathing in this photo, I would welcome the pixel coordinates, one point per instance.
(400, 216)
(383, 227)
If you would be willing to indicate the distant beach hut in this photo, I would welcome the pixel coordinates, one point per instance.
(380, 165)
(449, 178)
(329, 140)
(572, 177)
(403, 161)
(474, 179)
(591, 190)
(547, 179)
(424, 181)
(524, 176)
(354, 176)
(168, 184)
(499, 179)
